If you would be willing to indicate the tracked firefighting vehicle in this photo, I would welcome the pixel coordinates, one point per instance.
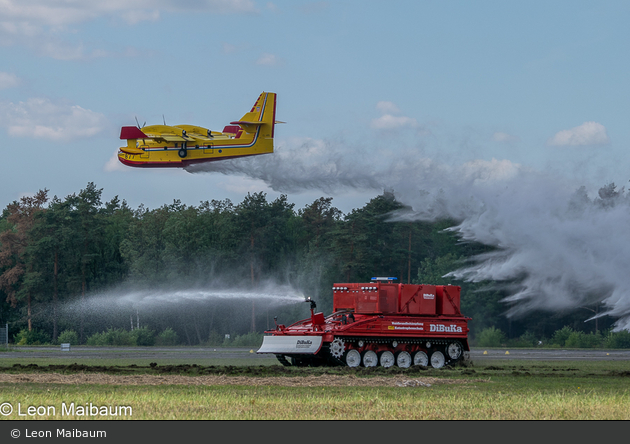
(380, 323)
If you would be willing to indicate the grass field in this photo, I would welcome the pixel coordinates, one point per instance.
(523, 390)
(478, 402)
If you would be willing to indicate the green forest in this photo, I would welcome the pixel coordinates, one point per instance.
(90, 266)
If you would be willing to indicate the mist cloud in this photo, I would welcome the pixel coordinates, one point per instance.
(564, 248)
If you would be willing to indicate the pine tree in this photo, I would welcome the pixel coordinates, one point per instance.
(14, 242)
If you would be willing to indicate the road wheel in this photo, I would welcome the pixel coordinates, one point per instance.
(353, 358)
(386, 359)
(437, 359)
(421, 358)
(454, 350)
(403, 359)
(370, 359)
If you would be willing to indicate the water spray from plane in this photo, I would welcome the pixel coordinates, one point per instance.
(315, 165)
(564, 248)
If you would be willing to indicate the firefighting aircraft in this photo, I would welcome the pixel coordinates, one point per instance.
(182, 145)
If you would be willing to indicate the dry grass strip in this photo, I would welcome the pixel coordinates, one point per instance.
(298, 381)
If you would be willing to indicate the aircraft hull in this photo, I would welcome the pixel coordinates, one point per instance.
(176, 163)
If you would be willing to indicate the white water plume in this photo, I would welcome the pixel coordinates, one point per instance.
(565, 249)
(176, 299)
(276, 296)
(314, 165)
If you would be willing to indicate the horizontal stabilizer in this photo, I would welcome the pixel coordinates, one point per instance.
(241, 122)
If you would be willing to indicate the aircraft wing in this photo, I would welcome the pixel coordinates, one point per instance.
(166, 133)
(198, 137)
(168, 137)
(198, 133)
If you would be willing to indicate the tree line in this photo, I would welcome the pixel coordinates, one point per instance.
(56, 254)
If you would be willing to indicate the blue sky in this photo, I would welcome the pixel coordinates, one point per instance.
(540, 85)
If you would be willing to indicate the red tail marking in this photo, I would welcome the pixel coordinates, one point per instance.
(131, 132)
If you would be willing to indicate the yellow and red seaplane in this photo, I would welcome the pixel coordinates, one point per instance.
(182, 145)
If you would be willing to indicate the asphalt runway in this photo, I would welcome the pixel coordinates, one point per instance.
(479, 355)
(191, 354)
(158, 354)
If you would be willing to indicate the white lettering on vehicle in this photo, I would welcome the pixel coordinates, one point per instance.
(406, 326)
(445, 328)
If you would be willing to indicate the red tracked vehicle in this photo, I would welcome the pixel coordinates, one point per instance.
(379, 323)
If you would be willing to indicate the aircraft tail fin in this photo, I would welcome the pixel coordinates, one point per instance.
(262, 114)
